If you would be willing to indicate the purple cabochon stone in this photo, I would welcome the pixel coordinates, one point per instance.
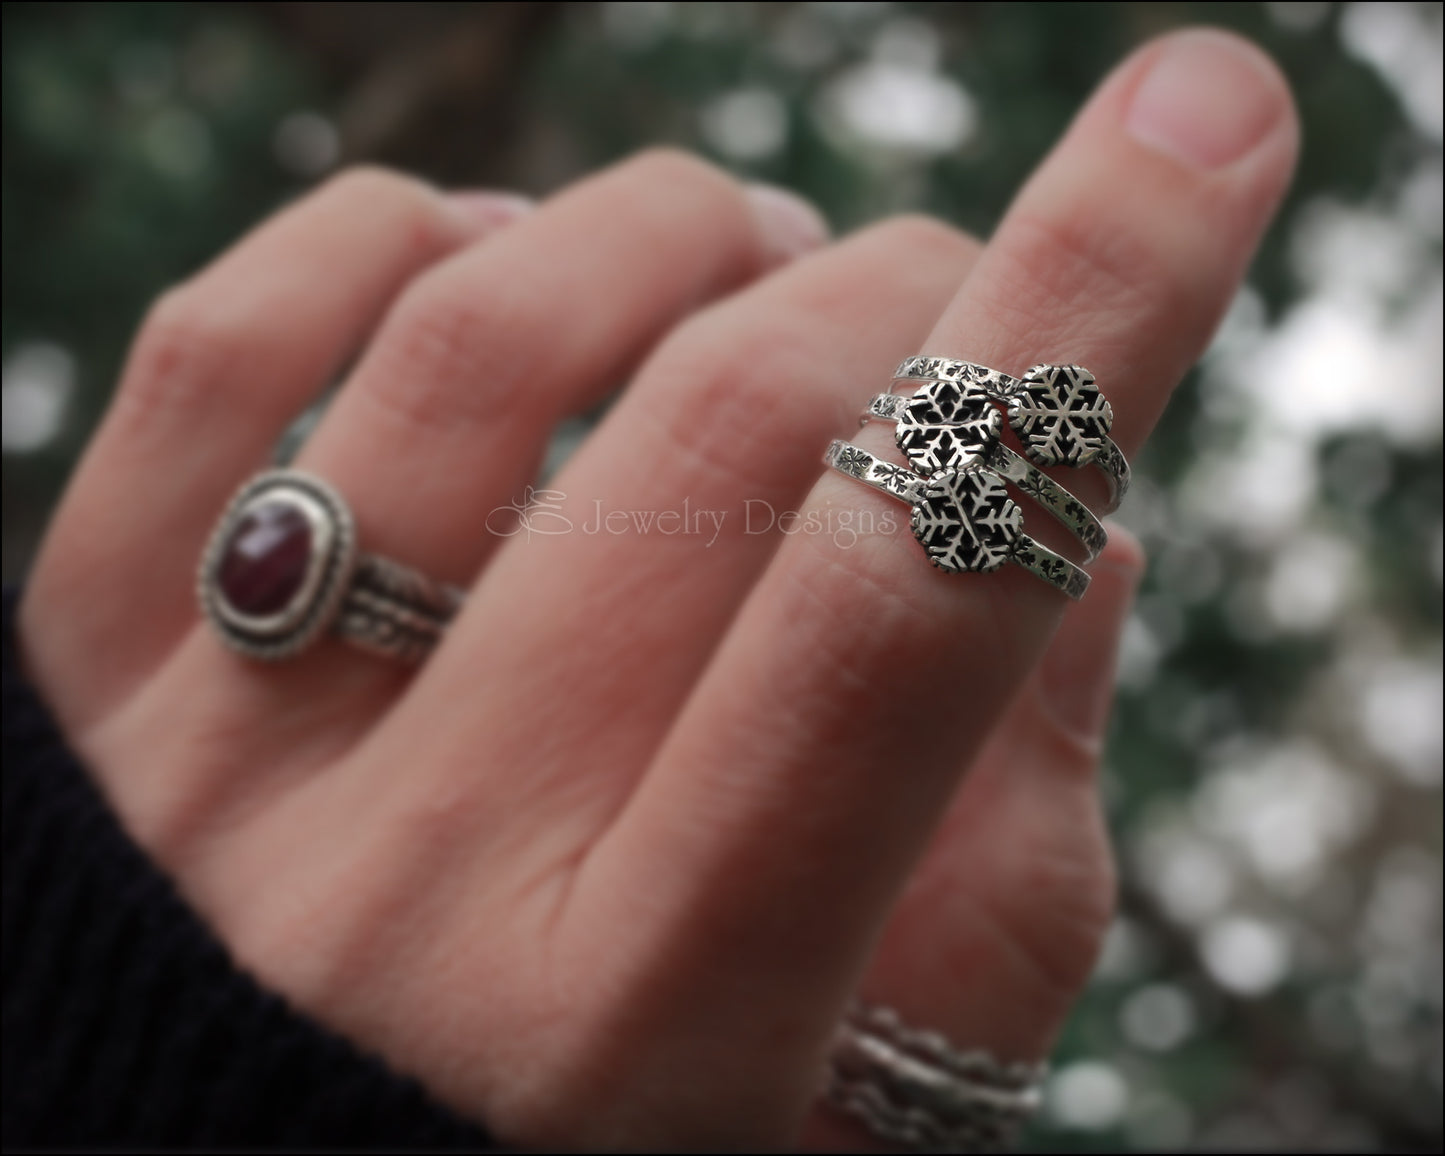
(264, 563)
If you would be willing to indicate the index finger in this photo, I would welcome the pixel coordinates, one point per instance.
(798, 785)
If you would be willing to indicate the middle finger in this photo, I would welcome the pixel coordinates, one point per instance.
(797, 786)
(671, 510)
(449, 412)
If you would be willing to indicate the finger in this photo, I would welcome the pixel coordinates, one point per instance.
(444, 418)
(221, 365)
(1142, 223)
(701, 447)
(855, 682)
(999, 925)
(447, 416)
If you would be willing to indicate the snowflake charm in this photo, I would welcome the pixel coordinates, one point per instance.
(1060, 415)
(853, 461)
(947, 425)
(966, 521)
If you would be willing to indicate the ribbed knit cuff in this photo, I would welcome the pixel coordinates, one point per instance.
(125, 1023)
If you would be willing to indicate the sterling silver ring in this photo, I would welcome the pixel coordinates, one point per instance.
(945, 422)
(963, 516)
(282, 567)
(1057, 411)
(913, 1088)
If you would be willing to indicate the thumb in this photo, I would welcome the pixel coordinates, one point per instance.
(999, 925)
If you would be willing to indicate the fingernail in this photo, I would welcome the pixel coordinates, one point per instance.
(790, 226)
(1076, 680)
(1207, 100)
(485, 211)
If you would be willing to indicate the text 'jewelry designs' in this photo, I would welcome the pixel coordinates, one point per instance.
(1060, 415)
(282, 567)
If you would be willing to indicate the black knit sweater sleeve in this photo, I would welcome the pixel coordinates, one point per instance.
(125, 1022)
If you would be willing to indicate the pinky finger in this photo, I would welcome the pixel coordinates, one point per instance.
(221, 365)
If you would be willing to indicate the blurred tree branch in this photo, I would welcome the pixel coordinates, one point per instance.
(415, 80)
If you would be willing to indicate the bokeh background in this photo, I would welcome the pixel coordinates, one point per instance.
(1273, 980)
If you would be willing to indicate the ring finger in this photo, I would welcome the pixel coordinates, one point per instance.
(447, 416)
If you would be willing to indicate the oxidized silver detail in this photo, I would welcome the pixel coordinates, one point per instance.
(944, 423)
(375, 603)
(1061, 416)
(965, 521)
(901, 483)
(963, 517)
(1068, 510)
(912, 1087)
(925, 368)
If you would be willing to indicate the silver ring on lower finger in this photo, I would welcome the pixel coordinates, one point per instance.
(282, 568)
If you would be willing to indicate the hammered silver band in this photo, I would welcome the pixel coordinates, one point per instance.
(282, 568)
(1068, 510)
(911, 1087)
(1046, 402)
(962, 516)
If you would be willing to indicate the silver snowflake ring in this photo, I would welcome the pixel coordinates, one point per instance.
(282, 568)
(947, 423)
(962, 516)
(1057, 411)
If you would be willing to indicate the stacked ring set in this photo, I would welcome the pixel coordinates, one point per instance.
(950, 430)
(283, 567)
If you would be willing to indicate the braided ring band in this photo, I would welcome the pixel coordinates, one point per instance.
(282, 567)
(911, 1087)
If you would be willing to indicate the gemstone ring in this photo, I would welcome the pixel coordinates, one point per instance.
(282, 567)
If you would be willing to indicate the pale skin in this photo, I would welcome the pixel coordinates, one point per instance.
(605, 870)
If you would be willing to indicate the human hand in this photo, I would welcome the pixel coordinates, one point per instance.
(605, 871)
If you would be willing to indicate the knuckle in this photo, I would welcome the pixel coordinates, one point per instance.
(1073, 894)
(676, 167)
(683, 200)
(724, 392)
(1060, 266)
(455, 353)
(925, 237)
(396, 205)
(184, 351)
(372, 185)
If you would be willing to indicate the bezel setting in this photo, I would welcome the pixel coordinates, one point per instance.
(330, 564)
